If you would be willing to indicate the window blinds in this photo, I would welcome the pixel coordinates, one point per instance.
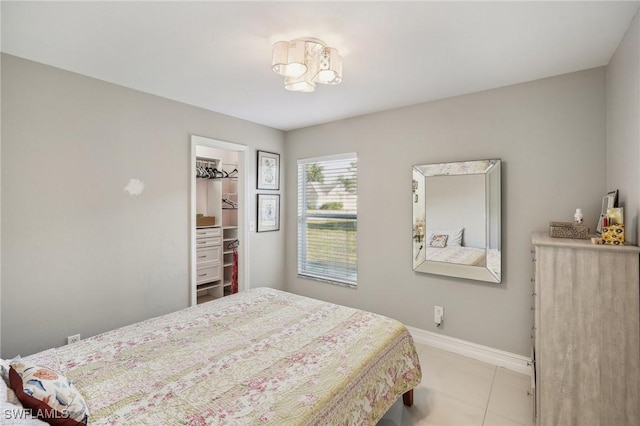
(328, 218)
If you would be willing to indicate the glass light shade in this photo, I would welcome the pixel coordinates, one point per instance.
(299, 84)
(305, 82)
(289, 58)
(330, 67)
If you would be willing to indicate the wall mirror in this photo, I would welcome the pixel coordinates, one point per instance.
(456, 219)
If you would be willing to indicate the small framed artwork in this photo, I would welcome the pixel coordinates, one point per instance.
(268, 170)
(609, 201)
(268, 212)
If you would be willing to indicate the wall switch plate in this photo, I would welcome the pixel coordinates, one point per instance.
(73, 339)
(438, 314)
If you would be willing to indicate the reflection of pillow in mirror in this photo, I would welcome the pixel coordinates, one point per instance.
(455, 236)
(438, 240)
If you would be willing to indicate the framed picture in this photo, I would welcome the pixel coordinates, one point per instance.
(609, 201)
(268, 170)
(268, 212)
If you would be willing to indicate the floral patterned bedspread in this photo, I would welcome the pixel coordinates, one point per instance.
(257, 357)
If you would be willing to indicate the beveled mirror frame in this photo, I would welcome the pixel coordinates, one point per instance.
(489, 172)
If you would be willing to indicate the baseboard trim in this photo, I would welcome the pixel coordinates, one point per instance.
(493, 356)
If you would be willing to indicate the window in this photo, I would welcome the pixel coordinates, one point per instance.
(328, 218)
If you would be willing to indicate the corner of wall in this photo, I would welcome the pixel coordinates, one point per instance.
(0, 206)
(623, 127)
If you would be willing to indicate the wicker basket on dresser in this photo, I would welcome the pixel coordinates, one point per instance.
(587, 333)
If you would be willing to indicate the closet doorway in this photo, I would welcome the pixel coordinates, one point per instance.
(218, 219)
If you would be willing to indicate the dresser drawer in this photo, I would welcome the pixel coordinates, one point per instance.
(208, 232)
(208, 242)
(208, 255)
(205, 274)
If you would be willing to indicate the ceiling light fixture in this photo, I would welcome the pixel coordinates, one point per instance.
(306, 61)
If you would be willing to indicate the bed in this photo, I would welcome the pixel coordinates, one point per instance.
(259, 357)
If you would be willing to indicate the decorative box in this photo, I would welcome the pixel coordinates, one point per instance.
(205, 221)
(568, 230)
(613, 235)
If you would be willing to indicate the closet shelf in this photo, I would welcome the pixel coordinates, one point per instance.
(208, 286)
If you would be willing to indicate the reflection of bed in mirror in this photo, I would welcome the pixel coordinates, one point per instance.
(456, 219)
(462, 255)
(470, 256)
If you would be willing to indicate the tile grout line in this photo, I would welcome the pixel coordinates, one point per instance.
(454, 395)
(493, 381)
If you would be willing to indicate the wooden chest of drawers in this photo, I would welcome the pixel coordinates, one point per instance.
(587, 333)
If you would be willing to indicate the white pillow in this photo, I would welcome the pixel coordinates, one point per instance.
(455, 236)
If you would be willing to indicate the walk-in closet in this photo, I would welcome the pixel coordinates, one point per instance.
(216, 231)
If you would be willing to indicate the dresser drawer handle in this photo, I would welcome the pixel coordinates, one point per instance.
(201, 257)
(202, 242)
(202, 275)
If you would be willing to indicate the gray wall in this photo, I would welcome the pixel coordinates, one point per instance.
(67, 222)
(80, 255)
(623, 127)
(550, 135)
(455, 202)
(0, 206)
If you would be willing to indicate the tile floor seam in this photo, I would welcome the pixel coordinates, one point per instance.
(457, 398)
(486, 407)
(506, 417)
(476, 413)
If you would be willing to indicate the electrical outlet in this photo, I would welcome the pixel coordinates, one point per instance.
(73, 339)
(438, 315)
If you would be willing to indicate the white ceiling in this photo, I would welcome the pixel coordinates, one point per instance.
(217, 55)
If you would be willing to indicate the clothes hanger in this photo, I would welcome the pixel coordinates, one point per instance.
(230, 202)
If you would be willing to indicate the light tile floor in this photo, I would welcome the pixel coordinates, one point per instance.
(461, 391)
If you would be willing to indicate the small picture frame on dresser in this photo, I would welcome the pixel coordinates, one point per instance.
(609, 201)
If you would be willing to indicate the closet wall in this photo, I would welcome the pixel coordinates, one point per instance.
(216, 200)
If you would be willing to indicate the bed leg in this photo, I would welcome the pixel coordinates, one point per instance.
(407, 398)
